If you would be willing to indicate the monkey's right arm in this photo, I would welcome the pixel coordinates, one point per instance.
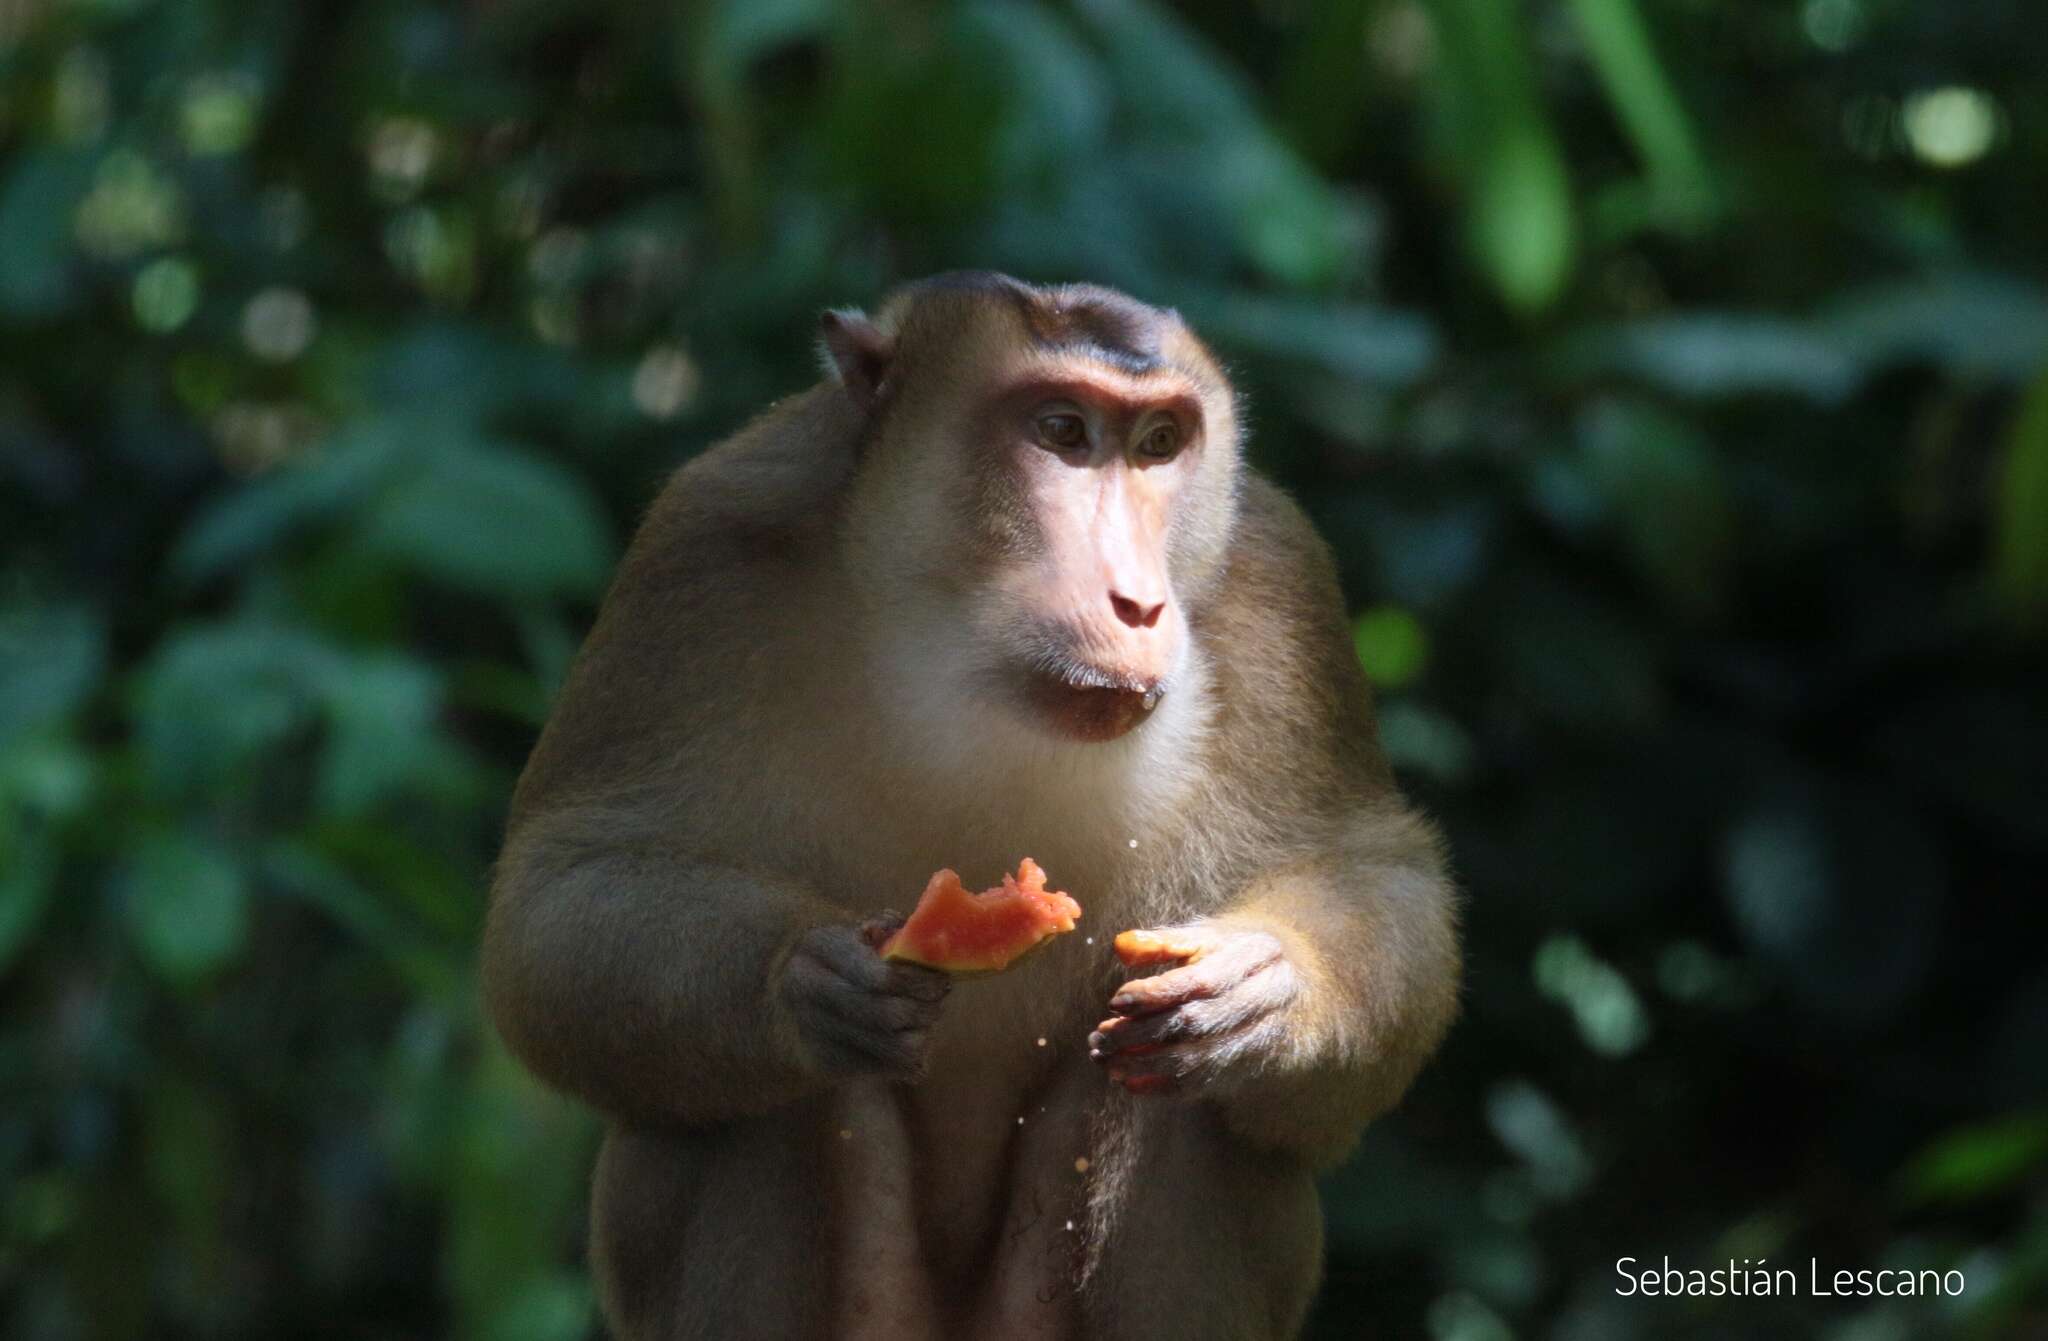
(663, 988)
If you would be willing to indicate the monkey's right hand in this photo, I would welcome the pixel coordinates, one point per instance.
(855, 1012)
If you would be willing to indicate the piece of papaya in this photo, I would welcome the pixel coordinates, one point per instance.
(968, 935)
(1142, 949)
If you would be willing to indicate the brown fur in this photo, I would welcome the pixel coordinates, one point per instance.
(774, 728)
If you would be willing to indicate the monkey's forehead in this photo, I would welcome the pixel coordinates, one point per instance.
(1082, 370)
(1114, 325)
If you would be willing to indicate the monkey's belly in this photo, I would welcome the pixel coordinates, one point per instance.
(961, 1203)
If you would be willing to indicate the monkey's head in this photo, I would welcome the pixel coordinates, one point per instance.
(1047, 478)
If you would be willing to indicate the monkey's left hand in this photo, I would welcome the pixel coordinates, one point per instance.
(1222, 1007)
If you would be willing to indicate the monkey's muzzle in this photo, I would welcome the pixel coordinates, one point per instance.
(1088, 709)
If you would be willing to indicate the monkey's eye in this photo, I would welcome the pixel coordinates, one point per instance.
(1062, 432)
(1161, 444)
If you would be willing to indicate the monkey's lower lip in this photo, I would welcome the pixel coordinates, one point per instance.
(1091, 712)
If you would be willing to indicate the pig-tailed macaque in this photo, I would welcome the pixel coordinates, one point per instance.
(1000, 586)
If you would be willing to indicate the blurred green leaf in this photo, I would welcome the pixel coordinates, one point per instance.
(1663, 485)
(381, 716)
(38, 197)
(1350, 340)
(554, 1306)
(1978, 1161)
(1838, 885)
(2019, 540)
(1518, 206)
(1619, 42)
(1969, 325)
(1608, 1012)
(1188, 90)
(732, 34)
(189, 1145)
(1574, 660)
(1781, 880)
(212, 698)
(27, 881)
(1283, 218)
(941, 85)
(1531, 1125)
(494, 521)
(254, 516)
(1058, 90)
(51, 659)
(519, 1167)
(1520, 219)
(1707, 354)
(1325, 89)
(446, 375)
(187, 904)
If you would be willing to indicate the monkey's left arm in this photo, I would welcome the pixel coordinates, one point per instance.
(1306, 1006)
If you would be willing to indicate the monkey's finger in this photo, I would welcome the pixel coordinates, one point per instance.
(917, 982)
(1214, 973)
(1267, 989)
(1135, 1033)
(847, 956)
(1192, 1061)
(881, 927)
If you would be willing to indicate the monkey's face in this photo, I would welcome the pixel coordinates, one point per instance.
(1090, 469)
(1051, 480)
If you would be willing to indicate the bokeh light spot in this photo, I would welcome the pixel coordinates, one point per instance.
(1950, 127)
(218, 114)
(278, 324)
(665, 383)
(165, 295)
(1392, 646)
(1833, 25)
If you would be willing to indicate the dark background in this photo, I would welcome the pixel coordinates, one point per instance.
(1668, 375)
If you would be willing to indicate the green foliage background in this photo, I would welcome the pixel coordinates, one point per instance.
(1671, 378)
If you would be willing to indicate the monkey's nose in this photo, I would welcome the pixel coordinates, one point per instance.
(1134, 613)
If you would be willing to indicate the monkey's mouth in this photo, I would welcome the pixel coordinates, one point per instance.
(1086, 703)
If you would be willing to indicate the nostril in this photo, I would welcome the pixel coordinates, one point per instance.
(1132, 613)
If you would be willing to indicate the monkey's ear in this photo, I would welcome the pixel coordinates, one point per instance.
(856, 352)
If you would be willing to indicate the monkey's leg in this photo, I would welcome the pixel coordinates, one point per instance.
(882, 1289)
(1029, 1288)
(1210, 1240)
(716, 1234)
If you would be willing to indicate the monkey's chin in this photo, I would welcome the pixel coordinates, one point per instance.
(1089, 713)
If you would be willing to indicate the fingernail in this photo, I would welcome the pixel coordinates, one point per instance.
(1122, 1001)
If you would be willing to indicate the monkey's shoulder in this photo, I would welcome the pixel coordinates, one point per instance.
(1278, 590)
(719, 579)
(767, 495)
(1289, 687)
